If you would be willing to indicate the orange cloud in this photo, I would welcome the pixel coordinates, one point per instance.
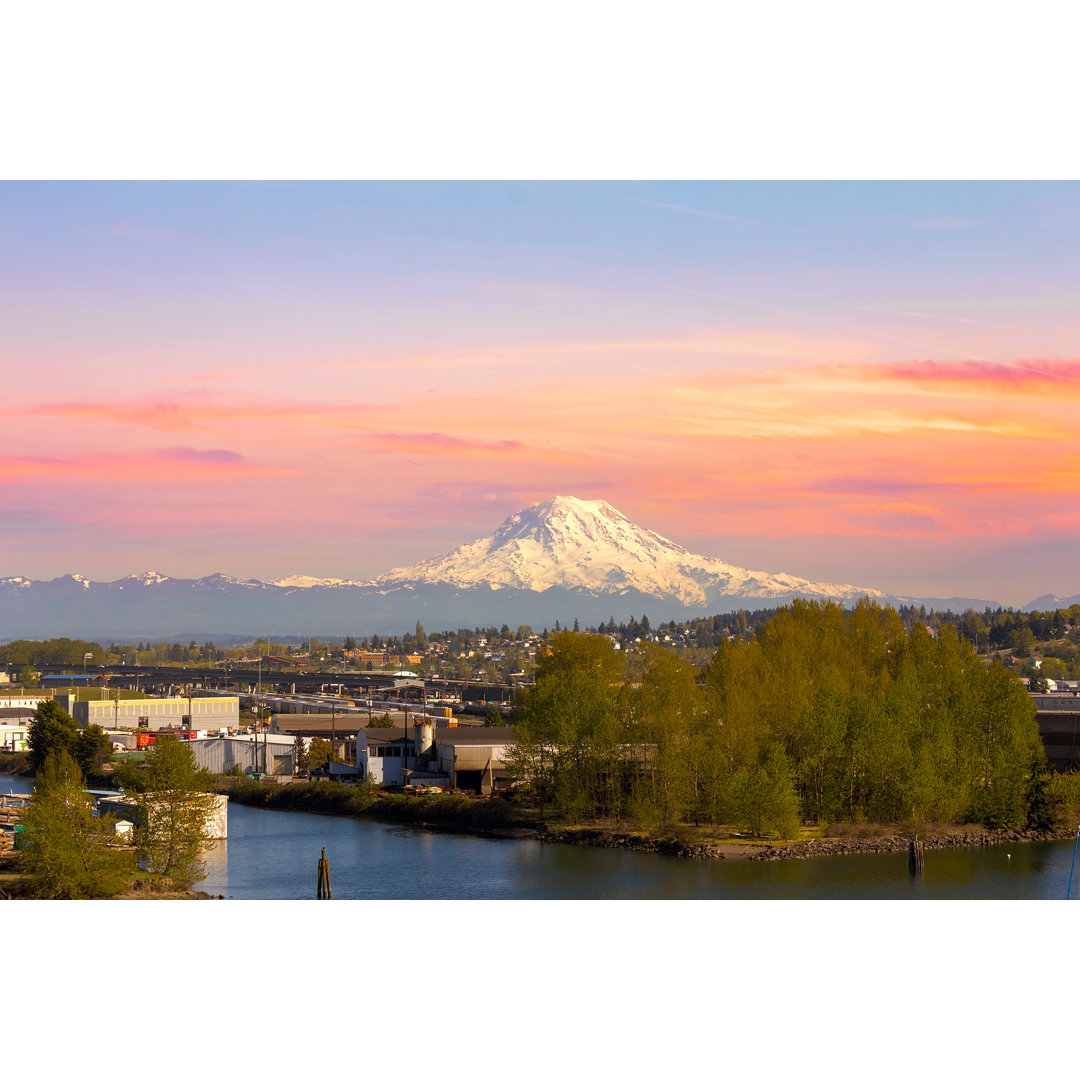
(194, 410)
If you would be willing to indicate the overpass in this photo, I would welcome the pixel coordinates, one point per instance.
(241, 678)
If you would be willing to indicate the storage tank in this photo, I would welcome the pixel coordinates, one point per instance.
(424, 735)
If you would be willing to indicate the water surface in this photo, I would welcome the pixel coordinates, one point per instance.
(273, 855)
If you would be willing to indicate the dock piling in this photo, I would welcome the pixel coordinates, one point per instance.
(915, 857)
(323, 890)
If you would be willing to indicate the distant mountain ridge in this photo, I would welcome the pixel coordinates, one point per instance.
(561, 559)
(1049, 602)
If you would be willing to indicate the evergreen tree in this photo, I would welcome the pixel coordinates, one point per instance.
(70, 854)
(300, 754)
(51, 731)
(93, 748)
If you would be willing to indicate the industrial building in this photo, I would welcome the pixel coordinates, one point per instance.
(196, 713)
(22, 699)
(14, 725)
(274, 755)
(473, 758)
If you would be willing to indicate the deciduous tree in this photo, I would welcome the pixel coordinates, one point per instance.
(70, 854)
(174, 809)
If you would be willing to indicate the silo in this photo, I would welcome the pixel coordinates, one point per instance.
(424, 736)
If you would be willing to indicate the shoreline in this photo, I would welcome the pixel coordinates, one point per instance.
(480, 818)
(777, 850)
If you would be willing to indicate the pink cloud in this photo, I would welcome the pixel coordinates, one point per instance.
(1020, 374)
(172, 464)
(438, 443)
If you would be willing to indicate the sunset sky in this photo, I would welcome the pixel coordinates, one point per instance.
(872, 383)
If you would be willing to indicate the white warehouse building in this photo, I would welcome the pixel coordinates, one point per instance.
(274, 755)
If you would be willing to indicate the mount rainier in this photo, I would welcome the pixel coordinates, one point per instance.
(561, 559)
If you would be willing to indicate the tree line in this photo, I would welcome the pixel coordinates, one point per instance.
(820, 714)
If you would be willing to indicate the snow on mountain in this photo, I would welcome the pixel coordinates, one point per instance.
(150, 577)
(303, 581)
(571, 543)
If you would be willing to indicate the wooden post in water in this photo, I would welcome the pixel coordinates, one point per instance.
(915, 857)
(323, 890)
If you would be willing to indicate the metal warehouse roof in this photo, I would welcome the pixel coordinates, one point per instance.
(475, 736)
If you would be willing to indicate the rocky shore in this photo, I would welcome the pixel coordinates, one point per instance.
(971, 836)
(975, 836)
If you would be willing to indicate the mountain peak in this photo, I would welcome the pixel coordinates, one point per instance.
(149, 577)
(570, 543)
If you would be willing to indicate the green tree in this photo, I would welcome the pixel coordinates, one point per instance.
(383, 721)
(765, 796)
(320, 753)
(300, 754)
(568, 733)
(174, 810)
(93, 748)
(28, 677)
(69, 853)
(51, 731)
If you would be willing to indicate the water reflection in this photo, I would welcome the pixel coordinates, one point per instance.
(273, 855)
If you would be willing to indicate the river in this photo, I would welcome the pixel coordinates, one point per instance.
(273, 855)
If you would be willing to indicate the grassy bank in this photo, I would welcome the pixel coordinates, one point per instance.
(15, 763)
(457, 812)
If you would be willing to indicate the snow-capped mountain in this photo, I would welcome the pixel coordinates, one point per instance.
(562, 559)
(568, 543)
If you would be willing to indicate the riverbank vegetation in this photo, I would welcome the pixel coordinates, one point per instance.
(446, 810)
(823, 714)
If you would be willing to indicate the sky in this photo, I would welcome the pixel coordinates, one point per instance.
(874, 383)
